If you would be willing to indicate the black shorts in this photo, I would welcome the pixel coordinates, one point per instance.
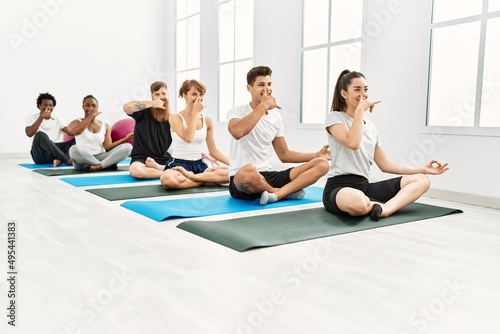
(195, 166)
(275, 179)
(381, 191)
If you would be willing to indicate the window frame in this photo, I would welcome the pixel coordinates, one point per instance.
(330, 85)
(474, 130)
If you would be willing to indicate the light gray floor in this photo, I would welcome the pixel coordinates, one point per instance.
(87, 265)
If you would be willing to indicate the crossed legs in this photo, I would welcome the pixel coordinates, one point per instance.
(249, 180)
(356, 203)
(180, 178)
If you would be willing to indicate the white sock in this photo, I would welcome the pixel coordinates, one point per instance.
(266, 197)
(296, 195)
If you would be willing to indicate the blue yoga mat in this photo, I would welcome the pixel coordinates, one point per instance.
(37, 166)
(88, 181)
(211, 205)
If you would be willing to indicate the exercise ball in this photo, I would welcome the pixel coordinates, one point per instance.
(67, 137)
(122, 128)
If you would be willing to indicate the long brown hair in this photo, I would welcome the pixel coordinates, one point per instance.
(343, 82)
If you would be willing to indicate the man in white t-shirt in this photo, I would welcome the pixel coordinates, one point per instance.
(47, 130)
(257, 128)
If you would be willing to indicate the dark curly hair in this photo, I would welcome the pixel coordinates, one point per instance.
(45, 96)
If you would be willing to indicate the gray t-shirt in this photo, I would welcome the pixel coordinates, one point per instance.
(343, 159)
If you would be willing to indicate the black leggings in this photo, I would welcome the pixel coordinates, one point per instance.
(381, 191)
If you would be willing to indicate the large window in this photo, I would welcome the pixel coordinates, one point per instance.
(235, 52)
(331, 42)
(464, 67)
(188, 46)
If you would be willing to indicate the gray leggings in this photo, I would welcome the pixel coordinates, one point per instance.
(81, 157)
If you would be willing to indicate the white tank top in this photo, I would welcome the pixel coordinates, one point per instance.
(189, 151)
(92, 142)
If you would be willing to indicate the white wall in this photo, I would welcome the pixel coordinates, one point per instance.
(114, 49)
(71, 48)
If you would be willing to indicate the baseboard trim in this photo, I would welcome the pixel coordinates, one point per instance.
(484, 201)
(15, 155)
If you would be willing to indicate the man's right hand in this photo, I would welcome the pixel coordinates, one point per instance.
(46, 113)
(269, 102)
(159, 103)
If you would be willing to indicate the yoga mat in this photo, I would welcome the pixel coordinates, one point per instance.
(72, 171)
(242, 234)
(133, 192)
(101, 180)
(36, 166)
(211, 205)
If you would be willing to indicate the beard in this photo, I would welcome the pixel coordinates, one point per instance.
(161, 114)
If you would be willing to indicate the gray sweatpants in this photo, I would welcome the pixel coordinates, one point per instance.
(81, 157)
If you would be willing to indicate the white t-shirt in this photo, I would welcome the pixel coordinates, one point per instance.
(347, 161)
(256, 147)
(52, 127)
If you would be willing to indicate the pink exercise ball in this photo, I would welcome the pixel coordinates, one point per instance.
(122, 128)
(67, 137)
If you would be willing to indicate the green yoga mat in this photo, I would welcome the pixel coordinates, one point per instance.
(71, 171)
(242, 234)
(155, 190)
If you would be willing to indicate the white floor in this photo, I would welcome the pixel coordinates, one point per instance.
(87, 265)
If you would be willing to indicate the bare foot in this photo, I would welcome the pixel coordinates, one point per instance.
(56, 162)
(94, 168)
(183, 171)
(151, 163)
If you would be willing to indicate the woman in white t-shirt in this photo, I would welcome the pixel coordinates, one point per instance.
(354, 146)
(191, 130)
(94, 149)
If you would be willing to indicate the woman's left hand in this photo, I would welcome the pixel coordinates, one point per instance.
(434, 167)
(324, 152)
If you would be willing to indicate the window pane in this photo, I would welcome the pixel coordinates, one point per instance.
(347, 17)
(452, 9)
(181, 9)
(494, 5)
(175, 100)
(243, 27)
(490, 100)
(343, 57)
(226, 90)
(193, 7)
(453, 83)
(181, 45)
(315, 29)
(226, 32)
(193, 42)
(241, 95)
(314, 90)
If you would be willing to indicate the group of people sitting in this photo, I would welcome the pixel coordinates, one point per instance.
(169, 147)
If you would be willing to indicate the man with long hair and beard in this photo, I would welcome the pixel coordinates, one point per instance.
(152, 137)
